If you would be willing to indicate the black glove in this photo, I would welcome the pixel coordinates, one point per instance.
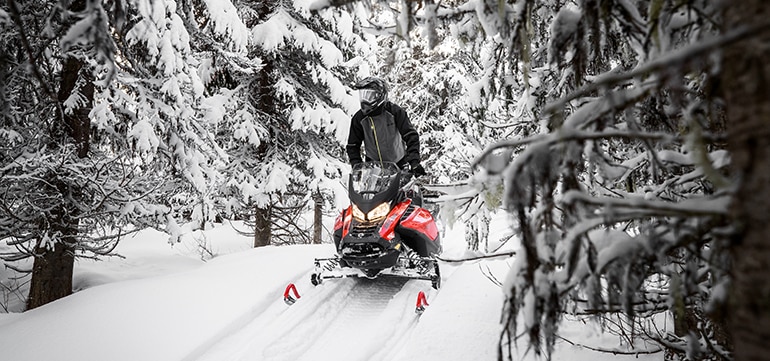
(418, 170)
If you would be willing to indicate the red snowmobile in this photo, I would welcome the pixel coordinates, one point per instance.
(384, 231)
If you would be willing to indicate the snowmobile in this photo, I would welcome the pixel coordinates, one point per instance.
(384, 231)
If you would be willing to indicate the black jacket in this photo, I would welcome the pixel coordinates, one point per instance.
(387, 135)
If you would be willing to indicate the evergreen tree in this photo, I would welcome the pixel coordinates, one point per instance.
(103, 133)
(621, 195)
(286, 120)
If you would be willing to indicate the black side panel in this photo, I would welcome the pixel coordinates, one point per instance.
(419, 242)
(337, 237)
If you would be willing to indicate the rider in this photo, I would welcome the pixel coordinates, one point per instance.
(384, 129)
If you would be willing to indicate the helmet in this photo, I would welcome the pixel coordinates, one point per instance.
(372, 92)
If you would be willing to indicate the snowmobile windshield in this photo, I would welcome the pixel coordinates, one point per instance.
(370, 178)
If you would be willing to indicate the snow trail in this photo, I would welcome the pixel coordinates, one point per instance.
(355, 322)
(326, 321)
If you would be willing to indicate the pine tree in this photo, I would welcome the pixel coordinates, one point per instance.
(102, 134)
(288, 116)
(621, 194)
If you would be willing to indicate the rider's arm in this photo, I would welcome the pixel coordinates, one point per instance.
(408, 133)
(355, 138)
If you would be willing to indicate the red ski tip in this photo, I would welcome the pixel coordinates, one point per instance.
(422, 301)
(287, 297)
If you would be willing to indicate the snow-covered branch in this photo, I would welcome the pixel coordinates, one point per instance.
(661, 65)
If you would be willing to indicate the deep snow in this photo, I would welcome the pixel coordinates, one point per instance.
(164, 303)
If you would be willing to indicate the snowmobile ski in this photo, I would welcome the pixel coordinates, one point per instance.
(422, 301)
(287, 298)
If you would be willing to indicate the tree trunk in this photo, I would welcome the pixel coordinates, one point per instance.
(77, 123)
(51, 275)
(262, 231)
(55, 261)
(747, 91)
(317, 217)
(264, 103)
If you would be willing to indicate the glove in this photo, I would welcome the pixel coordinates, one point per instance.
(418, 170)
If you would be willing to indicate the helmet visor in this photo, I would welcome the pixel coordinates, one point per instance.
(368, 95)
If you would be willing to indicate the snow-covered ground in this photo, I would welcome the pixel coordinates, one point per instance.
(165, 303)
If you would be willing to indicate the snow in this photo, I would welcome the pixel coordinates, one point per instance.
(563, 28)
(144, 136)
(270, 34)
(226, 21)
(273, 33)
(167, 303)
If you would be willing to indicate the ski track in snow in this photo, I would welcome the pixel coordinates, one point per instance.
(373, 315)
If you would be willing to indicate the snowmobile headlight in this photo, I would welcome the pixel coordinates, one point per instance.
(358, 215)
(379, 212)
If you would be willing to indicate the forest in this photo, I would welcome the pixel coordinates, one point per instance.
(627, 140)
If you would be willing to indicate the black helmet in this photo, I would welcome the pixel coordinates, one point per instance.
(372, 92)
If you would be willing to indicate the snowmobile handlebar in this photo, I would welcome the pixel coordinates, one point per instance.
(409, 179)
